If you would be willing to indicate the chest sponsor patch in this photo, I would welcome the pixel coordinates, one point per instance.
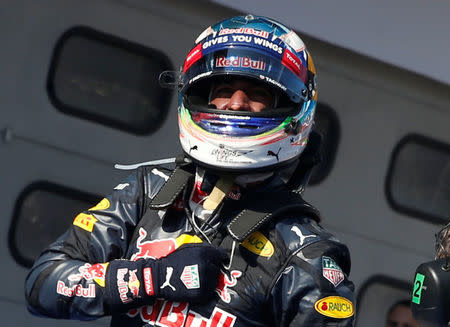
(85, 221)
(259, 244)
(331, 271)
(335, 307)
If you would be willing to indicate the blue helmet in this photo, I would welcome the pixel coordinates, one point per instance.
(265, 51)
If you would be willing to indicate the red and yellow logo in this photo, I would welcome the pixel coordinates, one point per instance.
(85, 221)
(259, 244)
(335, 307)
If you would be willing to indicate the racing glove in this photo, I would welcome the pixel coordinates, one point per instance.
(189, 274)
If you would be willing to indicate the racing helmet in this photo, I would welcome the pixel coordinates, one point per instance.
(264, 51)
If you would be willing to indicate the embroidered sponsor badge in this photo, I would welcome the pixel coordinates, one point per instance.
(98, 272)
(148, 281)
(259, 244)
(77, 290)
(90, 272)
(335, 307)
(102, 205)
(85, 221)
(190, 277)
(122, 285)
(133, 283)
(331, 271)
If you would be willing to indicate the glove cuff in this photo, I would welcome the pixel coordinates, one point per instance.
(129, 285)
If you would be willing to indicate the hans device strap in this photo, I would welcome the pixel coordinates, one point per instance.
(260, 207)
(172, 187)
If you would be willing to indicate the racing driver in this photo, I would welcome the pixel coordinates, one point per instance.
(223, 239)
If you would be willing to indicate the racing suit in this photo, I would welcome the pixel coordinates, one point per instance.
(289, 272)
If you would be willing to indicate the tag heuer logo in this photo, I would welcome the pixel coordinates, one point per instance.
(190, 277)
(331, 271)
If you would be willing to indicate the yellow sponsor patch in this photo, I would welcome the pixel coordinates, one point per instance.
(102, 205)
(185, 239)
(259, 244)
(335, 307)
(85, 221)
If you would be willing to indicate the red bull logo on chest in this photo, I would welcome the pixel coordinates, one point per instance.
(225, 282)
(154, 249)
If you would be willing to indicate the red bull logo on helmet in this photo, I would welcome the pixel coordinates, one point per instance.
(245, 62)
(243, 30)
(225, 282)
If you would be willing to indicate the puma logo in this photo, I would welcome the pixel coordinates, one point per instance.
(169, 272)
(299, 233)
(273, 154)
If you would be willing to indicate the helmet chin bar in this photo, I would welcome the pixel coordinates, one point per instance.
(431, 293)
(295, 172)
(239, 171)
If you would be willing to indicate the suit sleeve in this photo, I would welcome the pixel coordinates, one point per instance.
(313, 289)
(68, 279)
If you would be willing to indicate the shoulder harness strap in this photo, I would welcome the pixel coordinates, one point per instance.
(260, 208)
(172, 188)
(265, 207)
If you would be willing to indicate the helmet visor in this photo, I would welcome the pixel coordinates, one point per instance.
(237, 125)
(283, 71)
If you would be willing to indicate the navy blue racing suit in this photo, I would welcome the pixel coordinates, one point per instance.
(289, 272)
